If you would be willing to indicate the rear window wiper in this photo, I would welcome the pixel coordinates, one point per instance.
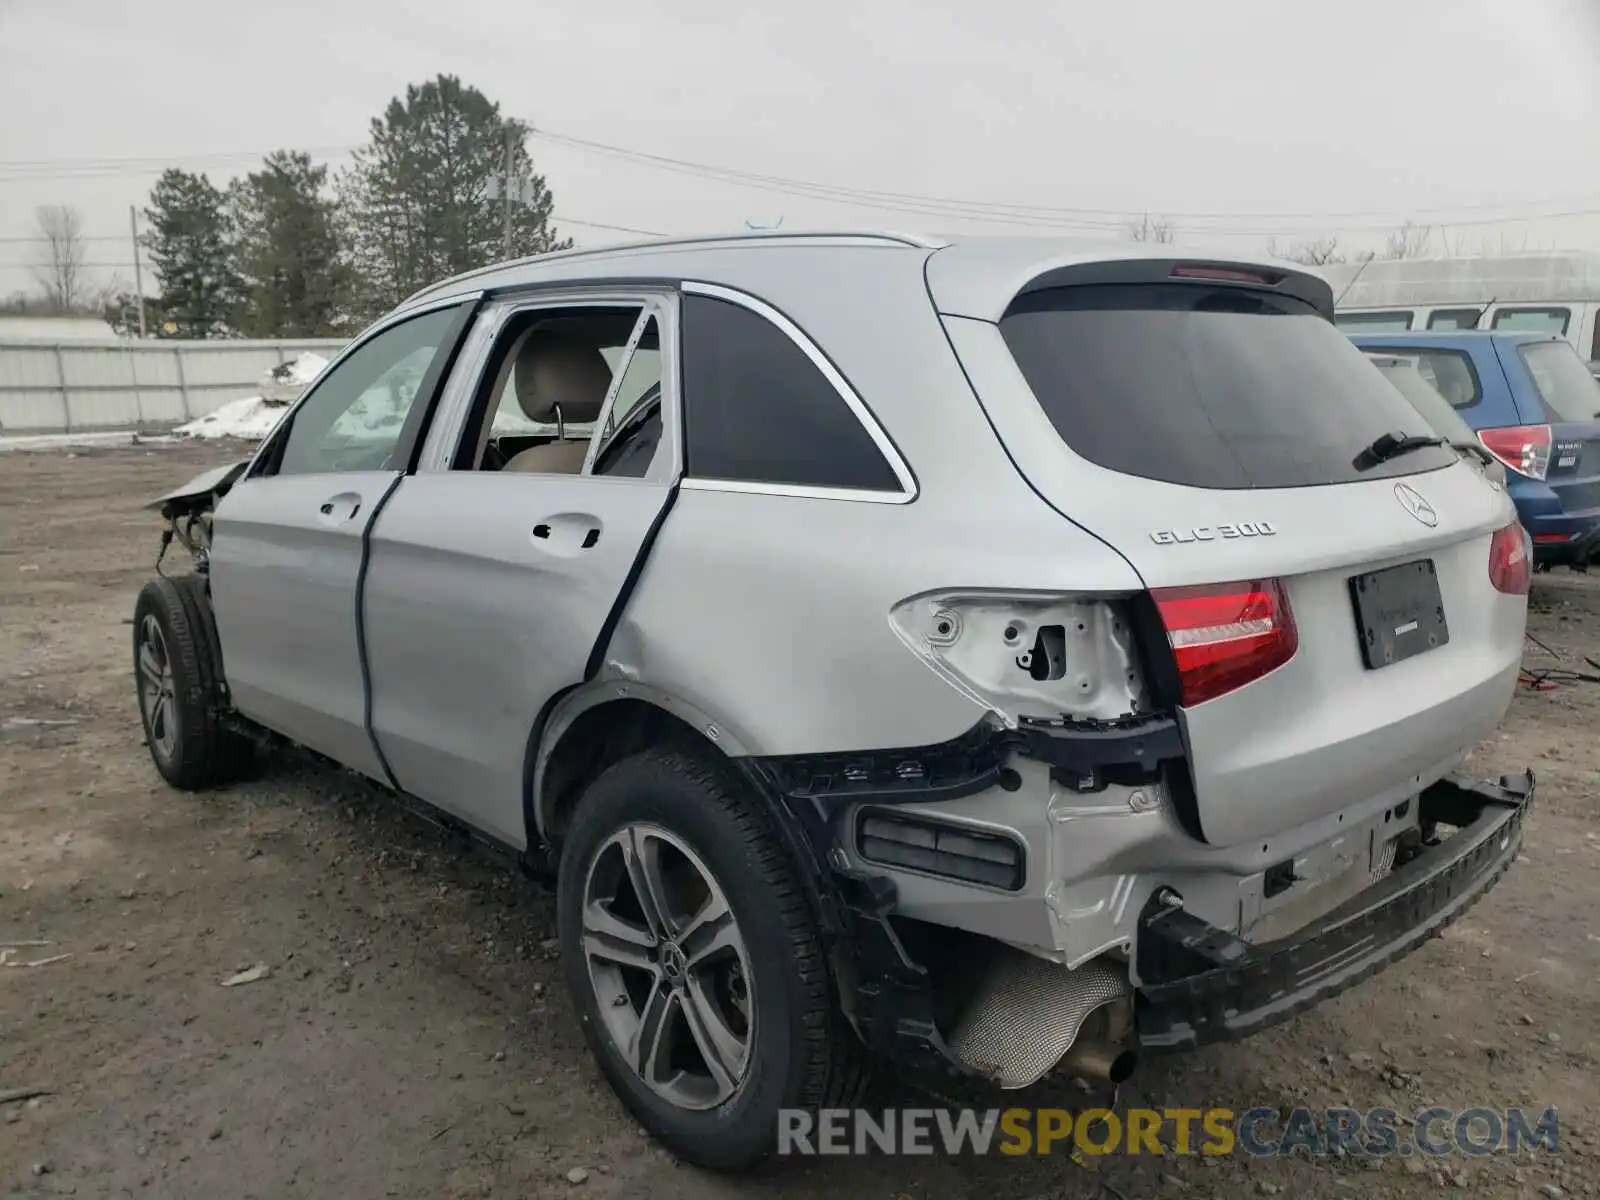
(1392, 445)
(1476, 448)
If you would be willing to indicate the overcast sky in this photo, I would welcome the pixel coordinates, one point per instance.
(1294, 118)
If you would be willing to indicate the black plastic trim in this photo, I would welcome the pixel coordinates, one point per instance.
(1199, 984)
(361, 629)
(420, 418)
(945, 864)
(602, 641)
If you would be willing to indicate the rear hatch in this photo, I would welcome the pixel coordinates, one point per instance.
(1332, 612)
(1569, 402)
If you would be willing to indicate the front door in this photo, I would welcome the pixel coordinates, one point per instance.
(289, 537)
(487, 588)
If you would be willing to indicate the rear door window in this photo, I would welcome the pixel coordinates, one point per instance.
(1375, 322)
(1564, 384)
(1448, 372)
(1216, 387)
(1533, 320)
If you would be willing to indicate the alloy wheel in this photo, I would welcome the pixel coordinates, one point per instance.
(669, 967)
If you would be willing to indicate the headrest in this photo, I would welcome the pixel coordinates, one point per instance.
(555, 367)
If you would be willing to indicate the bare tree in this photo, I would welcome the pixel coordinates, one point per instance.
(60, 268)
(1315, 252)
(1146, 230)
(1409, 241)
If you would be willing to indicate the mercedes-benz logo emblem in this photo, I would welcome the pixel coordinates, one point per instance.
(1411, 500)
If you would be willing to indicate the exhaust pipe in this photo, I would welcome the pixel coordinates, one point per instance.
(1100, 1061)
(1029, 1015)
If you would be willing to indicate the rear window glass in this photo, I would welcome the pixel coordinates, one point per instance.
(1375, 322)
(1448, 372)
(1569, 391)
(1402, 371)
(1454, 318)
(1533, 320)
(1208, 386)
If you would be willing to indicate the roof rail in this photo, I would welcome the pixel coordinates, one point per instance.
(888, 237)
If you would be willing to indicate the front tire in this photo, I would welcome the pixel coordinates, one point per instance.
(179, 684)
(694, 961)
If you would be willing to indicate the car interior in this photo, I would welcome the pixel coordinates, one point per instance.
(546, 387)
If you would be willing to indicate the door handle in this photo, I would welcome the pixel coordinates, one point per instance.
(567, 533)
(343, 507)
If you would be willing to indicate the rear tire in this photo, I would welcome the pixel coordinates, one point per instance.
(693, 835)
(179, 686)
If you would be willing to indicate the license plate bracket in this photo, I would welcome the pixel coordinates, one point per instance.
(1399, 613)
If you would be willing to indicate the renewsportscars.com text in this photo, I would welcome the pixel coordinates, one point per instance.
(1259, 1132)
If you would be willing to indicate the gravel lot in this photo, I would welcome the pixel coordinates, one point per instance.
(412, 1038)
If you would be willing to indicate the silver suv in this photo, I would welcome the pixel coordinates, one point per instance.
(986, 658)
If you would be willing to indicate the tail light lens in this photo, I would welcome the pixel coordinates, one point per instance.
(1524, 448)
(1511, 560)
(1226, 635)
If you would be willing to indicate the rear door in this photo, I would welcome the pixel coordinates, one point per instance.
(1215, 433)
(289, 536)
(488, 591)
(1557, 388)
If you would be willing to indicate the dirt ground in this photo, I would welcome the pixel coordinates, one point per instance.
(412, 1038)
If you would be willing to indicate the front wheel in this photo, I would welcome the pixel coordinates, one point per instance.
(694, 960)
(179, 685)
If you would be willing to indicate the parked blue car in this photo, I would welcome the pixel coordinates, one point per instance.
(1536, 407)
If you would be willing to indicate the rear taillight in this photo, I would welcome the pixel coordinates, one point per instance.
(1524, 448)
(1510, 560)
(1226, 635)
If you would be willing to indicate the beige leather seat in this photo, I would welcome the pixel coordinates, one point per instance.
(561, 378)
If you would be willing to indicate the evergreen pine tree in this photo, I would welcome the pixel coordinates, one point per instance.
(189, 240)
(293, 276)
(418, 197)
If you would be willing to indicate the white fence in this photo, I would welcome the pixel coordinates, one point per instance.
(76, 387)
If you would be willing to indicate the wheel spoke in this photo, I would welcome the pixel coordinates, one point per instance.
(647, 1049)
(150, 666)
(608, 937)
(723, 1050)
(642, 855)
(160, 719)
(711, 932)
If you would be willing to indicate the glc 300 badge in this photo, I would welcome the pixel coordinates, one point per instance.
(1210, 533)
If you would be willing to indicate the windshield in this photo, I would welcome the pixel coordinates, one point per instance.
(1569, 391)
(1215, 387)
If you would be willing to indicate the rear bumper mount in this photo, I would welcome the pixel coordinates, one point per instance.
(1200, 984)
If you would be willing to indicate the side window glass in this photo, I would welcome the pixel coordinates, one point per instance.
(354, 419)
(1454, 318)
(1375, 322)
(545, 387)
(632, 433)
(1535, 320)
(758, 410)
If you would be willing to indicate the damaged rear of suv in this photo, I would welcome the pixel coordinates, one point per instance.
(989, 658)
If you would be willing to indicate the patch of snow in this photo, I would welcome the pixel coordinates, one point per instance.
(305, 368)
(288, 380)
(252, 417)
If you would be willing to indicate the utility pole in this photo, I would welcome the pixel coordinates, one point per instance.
(510, 131)
(138, 272)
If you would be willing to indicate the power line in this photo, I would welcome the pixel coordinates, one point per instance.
(997, 211)
(1002, 213)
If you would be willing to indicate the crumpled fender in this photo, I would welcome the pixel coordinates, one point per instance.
(201, 492)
